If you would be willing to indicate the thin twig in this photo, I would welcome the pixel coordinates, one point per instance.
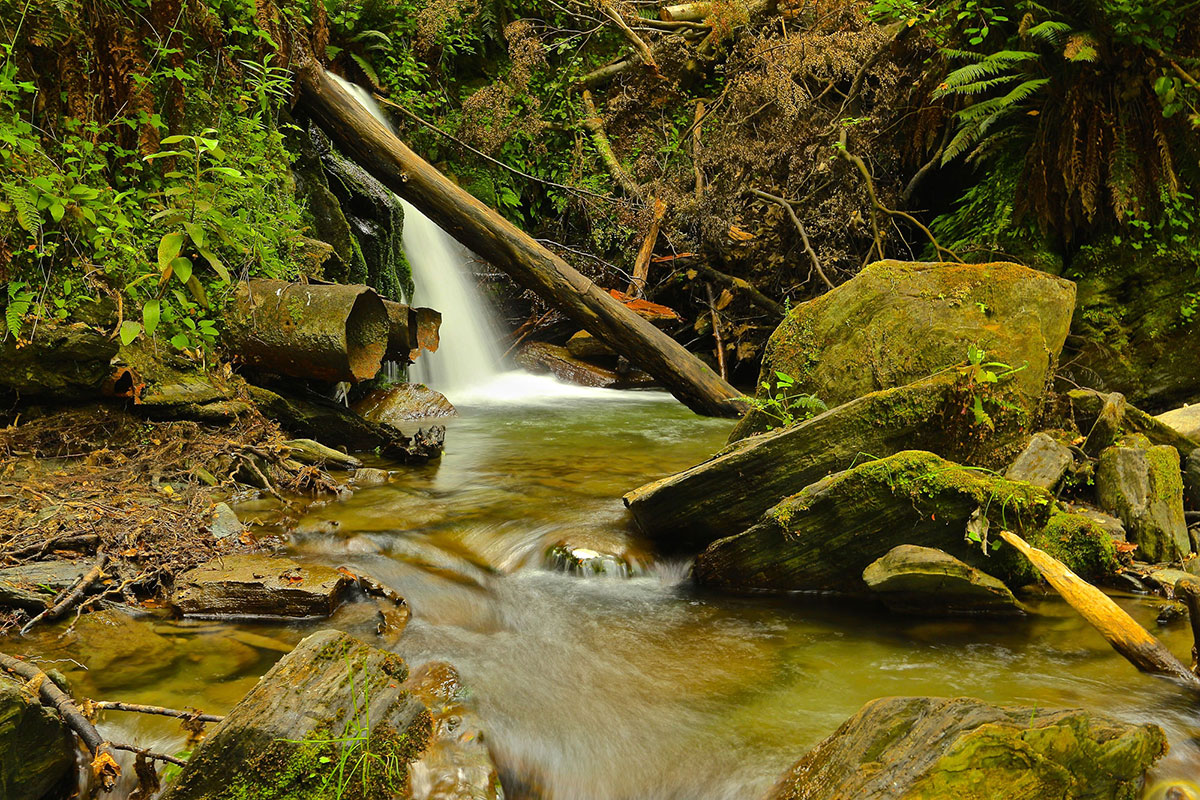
(643, 50)
(179, 762)
(137, 708)
(716, 326)
(63, 606)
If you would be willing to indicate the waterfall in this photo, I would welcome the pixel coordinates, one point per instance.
(466, 366)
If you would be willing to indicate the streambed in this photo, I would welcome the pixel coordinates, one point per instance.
(604, 687)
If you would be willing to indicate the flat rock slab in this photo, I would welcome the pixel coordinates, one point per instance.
(33, 586)
(931, 748)
(1043, 462)
(330, 700)
(404, 403)
(259, 586)
(922, 580)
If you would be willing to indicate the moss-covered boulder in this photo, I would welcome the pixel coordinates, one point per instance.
(37, 752)
(1142, 485)
(825, 536)
(897, 321)
(928, 748)
(1136, 328)
(330, 720)
(730, 491)
(63, 359)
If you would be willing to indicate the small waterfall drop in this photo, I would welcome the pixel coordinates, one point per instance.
(466, 366)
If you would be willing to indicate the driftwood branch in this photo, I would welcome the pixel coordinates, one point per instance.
(104, 766)
(742, 285)
(77, 542)
(639, 45)
(1119, 629)
(641, 265)
(74, 596)
(808, 248)
(595, 126)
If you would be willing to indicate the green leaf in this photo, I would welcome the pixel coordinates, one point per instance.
(168, 249)
(150, 314)
(182, 268)
(179, 341)
(196, 232)
(56, 211)
(130, 330)
(216, 264)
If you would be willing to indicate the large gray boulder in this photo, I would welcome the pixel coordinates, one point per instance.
(1142, 485)
(922, 580)
(37, 752)
(333, 700)
(931, 748)
(1186, 420)
(898, 321)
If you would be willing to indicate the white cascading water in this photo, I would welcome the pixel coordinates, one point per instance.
(466, 366)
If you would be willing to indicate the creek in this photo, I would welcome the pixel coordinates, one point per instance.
(605, 687)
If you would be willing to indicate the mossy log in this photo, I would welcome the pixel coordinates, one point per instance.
(932, 748)
(729, 492)
(332, 698)
(494, 238)
(319, 332)
(824, 537)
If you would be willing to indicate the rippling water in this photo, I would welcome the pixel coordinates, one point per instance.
(614, 688)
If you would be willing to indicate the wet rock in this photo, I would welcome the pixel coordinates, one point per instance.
(258, 586)
(1142, 485)
(1106, 522)
(37, 751)
(730, 491)
(369, 476)
(225, 522)
(33, 586)
(925, 581)
(586, 561)
(1108, 424)
(121, 651)
(1186, 420)
(928, 748)
(584, 345)
(288, 734)
(549, 358)
(1085, 406)
(824, 537)
(1043, 462)
(457, 764)
(404, 403)
(896, 322)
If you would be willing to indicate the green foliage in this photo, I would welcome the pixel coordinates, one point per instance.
(782, 407)
(981, 375)
(167, 224)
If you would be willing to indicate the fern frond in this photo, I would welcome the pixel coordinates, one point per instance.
(25, 206)
(366, 67)
(994, 65)
(1049, 32)
(979, 87)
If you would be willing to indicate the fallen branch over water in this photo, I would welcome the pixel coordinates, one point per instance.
(137, 708)
(1121, 631)
(104, 766)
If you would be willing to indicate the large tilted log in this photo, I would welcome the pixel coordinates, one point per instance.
(330, 332)
(1120, 630)
(371, 144)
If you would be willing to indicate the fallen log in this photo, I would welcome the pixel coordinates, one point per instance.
(330, 332)
(402, 332)
(1120, 630)
(494, 238)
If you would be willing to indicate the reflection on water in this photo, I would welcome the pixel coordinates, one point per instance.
(606, 688)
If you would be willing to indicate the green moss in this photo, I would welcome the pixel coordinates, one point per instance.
(1079, 543)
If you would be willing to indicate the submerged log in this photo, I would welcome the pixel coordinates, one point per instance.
(494, 238)
(1119, 629)
(328, 332)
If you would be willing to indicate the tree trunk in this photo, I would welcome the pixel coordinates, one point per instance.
(481, 229)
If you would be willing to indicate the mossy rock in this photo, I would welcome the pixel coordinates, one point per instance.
(928, 748)
(332, 701)
(896, 322)
(1074, 539)
(1136, 328)
(1142, 484)
(37, 752)
(825, 536)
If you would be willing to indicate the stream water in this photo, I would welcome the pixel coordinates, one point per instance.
(601, 687)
